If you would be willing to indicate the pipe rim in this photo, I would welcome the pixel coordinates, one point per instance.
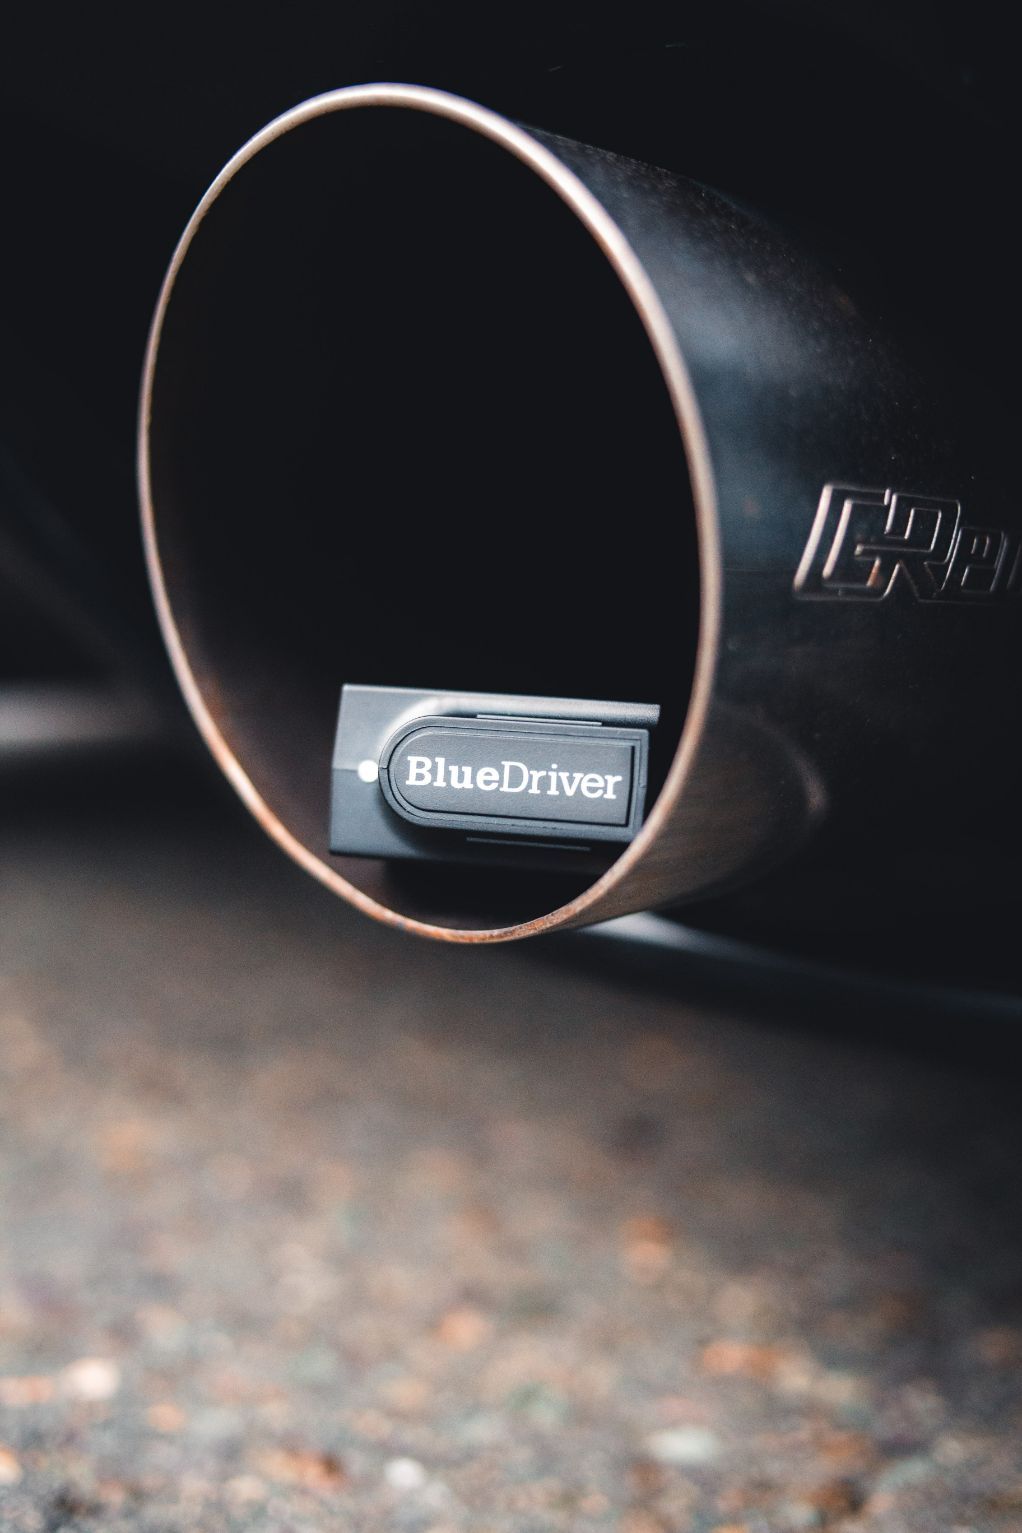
(644, 298)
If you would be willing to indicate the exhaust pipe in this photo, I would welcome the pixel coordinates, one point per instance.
(433, 398)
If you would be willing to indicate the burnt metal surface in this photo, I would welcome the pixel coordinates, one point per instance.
(858, 550)
(306, 1227)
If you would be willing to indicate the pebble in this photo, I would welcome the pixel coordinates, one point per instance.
(463, 1328)
(303, 1466)
(245, 1488)
(91, 1378)
(741, 1359)
(904, 1472)
(683, 1445)
(165, 1416)
(796, 1516)
(29, 1389)
(10, 1468)
(404, 1474)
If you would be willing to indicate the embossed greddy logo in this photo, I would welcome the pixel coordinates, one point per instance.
(865, 543)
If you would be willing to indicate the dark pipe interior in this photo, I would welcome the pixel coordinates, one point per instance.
(408, 428)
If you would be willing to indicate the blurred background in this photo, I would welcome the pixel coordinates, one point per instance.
(307, 1226)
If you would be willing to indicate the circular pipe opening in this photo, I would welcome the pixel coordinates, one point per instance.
(403, 423)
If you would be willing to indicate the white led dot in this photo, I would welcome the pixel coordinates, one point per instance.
(368, 771)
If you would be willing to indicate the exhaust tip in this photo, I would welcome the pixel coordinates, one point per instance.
(411, 410)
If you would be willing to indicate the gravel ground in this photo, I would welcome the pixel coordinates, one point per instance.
(306, 1226)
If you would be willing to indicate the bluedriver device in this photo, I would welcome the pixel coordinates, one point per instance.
(484, 776)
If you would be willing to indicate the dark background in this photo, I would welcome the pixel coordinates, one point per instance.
(882, 133)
